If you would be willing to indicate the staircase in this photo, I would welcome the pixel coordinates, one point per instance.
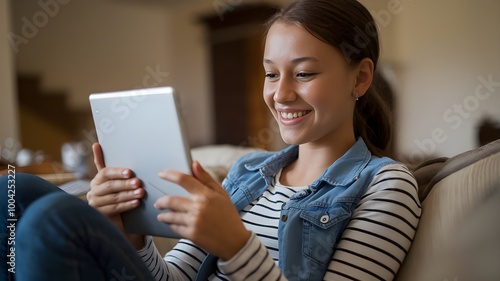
(46, 120)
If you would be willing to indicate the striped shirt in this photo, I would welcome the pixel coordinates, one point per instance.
(372, 247)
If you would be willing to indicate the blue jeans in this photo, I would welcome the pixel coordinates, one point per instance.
(59, 237)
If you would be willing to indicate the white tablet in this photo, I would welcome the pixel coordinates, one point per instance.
(143, 130)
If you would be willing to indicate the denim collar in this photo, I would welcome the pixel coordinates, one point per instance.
(343, 171)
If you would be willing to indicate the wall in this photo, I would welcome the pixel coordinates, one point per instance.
(8, 104)
(434, 52)
(446, 49)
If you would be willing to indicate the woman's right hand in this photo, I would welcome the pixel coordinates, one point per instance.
(113, 190)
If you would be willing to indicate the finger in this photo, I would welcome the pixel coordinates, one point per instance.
(115, 209)
(114, 198)
(116, 186)
(106, 174)
(188, 182)
(173, 203)
(173, 218)
(98, 156)
(205, 177)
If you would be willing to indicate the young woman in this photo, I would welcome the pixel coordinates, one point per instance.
(328, 207)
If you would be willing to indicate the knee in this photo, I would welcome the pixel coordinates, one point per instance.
(22, 180)
(34, 183)
(57, 221)
(19, 177)
(52, 213)
(22, 190)
(26, 186)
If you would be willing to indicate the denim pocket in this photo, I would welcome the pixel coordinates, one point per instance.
(323, 225)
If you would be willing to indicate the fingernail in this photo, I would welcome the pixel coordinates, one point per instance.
(134, 203)
(137, 191)
(125, 172)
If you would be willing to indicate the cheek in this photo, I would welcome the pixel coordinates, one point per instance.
(316, 94)
(268, 95)
(326, 98)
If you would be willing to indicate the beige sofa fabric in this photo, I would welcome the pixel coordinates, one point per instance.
(218, 159)
(447, 207)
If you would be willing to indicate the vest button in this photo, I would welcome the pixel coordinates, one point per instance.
(324, 218)
(284, 217)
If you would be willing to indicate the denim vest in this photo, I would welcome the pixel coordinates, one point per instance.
(312, 222)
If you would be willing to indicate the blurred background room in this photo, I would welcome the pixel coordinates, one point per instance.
(440, 60)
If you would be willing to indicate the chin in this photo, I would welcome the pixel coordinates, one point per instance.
(291, 140)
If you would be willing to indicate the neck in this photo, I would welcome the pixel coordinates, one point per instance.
(313, 160)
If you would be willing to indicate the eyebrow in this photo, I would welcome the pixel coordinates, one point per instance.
(294, 61)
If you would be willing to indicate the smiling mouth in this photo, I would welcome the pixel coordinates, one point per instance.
(294, 115)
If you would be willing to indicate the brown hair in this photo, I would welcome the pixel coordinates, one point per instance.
(348, 26)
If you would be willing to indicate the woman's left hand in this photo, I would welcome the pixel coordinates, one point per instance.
(207, 217)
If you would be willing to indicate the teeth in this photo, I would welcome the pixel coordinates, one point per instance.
(293, 115)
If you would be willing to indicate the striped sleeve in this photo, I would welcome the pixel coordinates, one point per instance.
(153, 260)
(252, 262)
(378, 236)
(181, 263)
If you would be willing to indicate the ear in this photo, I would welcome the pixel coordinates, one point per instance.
(364, 76)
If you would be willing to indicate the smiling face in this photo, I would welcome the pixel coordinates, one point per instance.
(308, 88)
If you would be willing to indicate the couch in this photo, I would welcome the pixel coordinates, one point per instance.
(458, 237)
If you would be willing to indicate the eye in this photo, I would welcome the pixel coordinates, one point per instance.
(305, 75)
(271, 76)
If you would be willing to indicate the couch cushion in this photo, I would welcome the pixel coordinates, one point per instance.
(457, 189)
(218, 159)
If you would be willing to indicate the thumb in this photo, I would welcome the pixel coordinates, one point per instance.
(98, 157)
(204, 177)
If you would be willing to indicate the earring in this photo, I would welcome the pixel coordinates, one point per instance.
(357, 98)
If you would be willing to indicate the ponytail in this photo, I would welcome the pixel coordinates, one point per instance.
(372, 122)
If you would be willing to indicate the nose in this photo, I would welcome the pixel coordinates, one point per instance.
(284, 91)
